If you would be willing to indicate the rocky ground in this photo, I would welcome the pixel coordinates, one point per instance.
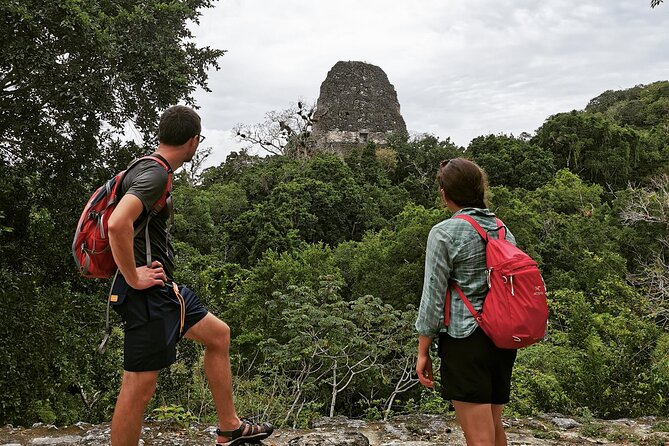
(414, 430)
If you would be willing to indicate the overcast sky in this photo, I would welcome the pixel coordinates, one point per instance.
(461, 68)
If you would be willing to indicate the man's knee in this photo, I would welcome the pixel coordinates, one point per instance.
(219, 338)
(139, 386)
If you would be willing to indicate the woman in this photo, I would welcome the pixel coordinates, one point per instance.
(475, 374)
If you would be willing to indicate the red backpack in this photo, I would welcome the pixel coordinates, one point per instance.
(90, 247)
(515, 310)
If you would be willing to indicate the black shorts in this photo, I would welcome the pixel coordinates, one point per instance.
(474, 370)
(154, 320)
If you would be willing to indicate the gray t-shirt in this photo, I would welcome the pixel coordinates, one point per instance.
(147, 180)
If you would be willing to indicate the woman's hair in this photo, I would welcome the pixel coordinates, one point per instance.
(463, 182)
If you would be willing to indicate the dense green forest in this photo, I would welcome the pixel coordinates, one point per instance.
(315, 262)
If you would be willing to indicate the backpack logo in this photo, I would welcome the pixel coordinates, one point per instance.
(515, 310)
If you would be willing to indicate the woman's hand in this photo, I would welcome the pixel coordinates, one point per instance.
(424, 362)
(424, 370)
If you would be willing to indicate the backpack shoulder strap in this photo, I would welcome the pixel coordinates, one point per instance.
(484, 235)
(475, 225)
(157, 158)
(502, 229)
(447, 304)
(158, 206)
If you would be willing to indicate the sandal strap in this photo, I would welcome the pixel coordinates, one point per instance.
(246, 427)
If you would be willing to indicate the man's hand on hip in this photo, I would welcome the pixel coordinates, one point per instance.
(148, 276)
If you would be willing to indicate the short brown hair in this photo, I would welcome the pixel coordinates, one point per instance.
(177, 125)
(463, 182)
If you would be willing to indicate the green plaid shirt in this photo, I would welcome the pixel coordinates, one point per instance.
(454, 251)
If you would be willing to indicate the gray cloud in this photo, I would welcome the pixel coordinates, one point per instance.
(461, 69)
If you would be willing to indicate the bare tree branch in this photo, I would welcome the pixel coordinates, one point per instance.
(283, 132)
(651, 206)
(406, 382)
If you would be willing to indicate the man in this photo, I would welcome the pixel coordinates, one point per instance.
(156, 313)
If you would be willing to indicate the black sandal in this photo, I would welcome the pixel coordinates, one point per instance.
(247, 432)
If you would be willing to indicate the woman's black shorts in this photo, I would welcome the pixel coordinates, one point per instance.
(154, 321)
(474, 370)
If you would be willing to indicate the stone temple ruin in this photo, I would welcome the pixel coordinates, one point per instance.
(357, 104)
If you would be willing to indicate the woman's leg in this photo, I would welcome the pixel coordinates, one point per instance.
(477, 423)
(500, 435)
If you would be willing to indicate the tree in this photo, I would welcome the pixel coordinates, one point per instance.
(594, 147)
(642, 106)
(512, 162)
(418, 162)
(72, 76)
(650, 207)
(284, 132)
(78, 72)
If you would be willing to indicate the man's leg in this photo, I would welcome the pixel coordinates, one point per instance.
(214, 334)
(137, 389)
(477, 423)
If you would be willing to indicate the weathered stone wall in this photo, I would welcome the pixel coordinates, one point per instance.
(357, 104)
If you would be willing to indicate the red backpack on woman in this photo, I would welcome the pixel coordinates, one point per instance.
(515, 310)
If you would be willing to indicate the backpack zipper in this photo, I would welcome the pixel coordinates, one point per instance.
(509, 279)
(100, 225)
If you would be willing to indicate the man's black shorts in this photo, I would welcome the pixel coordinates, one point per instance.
(474, 370)
(154, 321)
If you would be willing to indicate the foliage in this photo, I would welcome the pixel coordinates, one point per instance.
(594, 147)
(174, 414)
(642, 106)
(512, 162)
(417, 164)
(316, 262)
(72, 76)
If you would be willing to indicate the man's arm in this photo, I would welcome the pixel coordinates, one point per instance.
(121, 235)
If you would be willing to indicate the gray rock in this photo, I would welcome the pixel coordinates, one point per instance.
(565, 423)
(408, 443)
(330, 439)
(625, 421)
(400, 433)
(536, 425)
(339, 421)
(66, 439)
(550, 415)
